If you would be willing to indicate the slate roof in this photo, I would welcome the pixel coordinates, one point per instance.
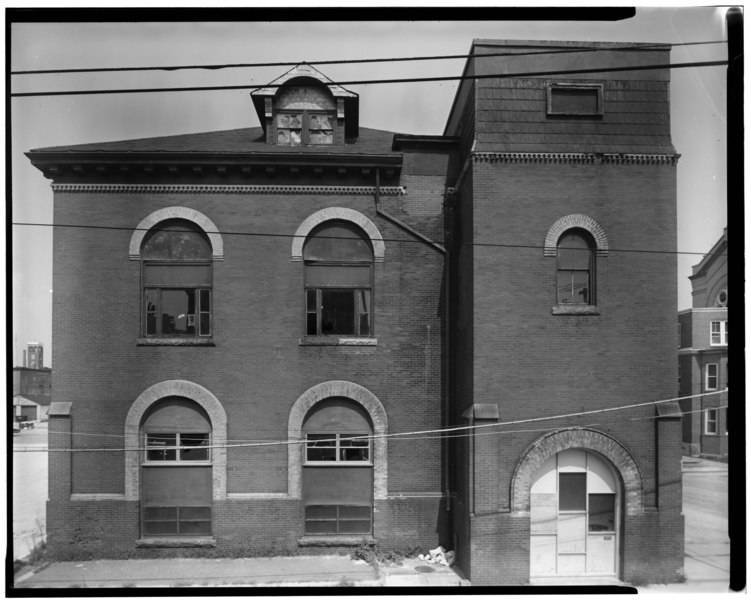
(233, 141)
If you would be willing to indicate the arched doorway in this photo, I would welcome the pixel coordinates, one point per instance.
(176, 469)
(575, 505)
(337, 469)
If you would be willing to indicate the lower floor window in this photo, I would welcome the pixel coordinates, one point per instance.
(337, 519)
(177, 520)
(710, 422)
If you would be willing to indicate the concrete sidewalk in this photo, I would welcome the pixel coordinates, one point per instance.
(298, 571)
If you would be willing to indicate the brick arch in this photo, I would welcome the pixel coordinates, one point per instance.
(343, 389)
(586, 439)
(571, 222)
(176, 212)
(342, 214)
(185, 389)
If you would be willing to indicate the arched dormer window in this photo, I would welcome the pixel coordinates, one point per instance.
(176, 275)
(304, 114)
(576, 268)
(338, 281)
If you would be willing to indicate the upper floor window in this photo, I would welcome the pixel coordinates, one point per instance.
(304, 127)
(712, 377)
(719, 333)
(575, 99)
(576, 262)
(338, 281)
(721, 301)
(710, 421)
(177, 281)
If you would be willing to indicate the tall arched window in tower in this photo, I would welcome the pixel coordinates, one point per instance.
(338, 281)
(177, 281)
(576, 268)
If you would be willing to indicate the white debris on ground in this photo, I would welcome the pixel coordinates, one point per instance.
(439, 556)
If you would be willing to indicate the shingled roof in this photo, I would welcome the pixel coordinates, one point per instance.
(233, 141)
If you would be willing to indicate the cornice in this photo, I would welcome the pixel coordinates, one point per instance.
(575, 158)
(118, 188)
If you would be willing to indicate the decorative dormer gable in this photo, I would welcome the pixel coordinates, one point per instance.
(304, 107)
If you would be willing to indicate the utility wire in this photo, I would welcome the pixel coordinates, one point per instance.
(390, 240)
(653, 67)
(215, 67)
(441, 431)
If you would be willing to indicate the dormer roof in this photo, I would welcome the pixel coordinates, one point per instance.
(307, 73)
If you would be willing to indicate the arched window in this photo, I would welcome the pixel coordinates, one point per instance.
(176, 484)
(338, 281)
(177, 280)
(337, 486)
(576, 268)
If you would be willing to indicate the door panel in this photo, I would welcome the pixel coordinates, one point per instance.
(601, 553)
(572, 533)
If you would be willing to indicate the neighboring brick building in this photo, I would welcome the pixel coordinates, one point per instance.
(281, 304)
(703, 357)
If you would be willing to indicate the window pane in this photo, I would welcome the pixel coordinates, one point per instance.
(295, 136)
(337, 241)
(581, 101)
(161, 446)
(602, 512)
(176, 242)
(160, 527)
(337, 312)
(573, 287)
(320, 122)
(192, 446)
(354, 526)
(354, 512)
(321, 446)
(320, 512)
(354, 449)
(572, 491)
(197, 513)
(151, 311)
(320, 527)
(177, 306)
(160, 513)
(363, 297)
(321, 137)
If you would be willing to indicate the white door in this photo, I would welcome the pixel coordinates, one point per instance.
(573, 511)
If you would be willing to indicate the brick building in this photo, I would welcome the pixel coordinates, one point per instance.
(282, 305)
(703, 356)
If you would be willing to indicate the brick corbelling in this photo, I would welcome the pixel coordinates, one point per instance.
(578, 437)
(176, 212)
(138, 188)
(207, 401)
(368, 401)
(575, 221)
(575, 158)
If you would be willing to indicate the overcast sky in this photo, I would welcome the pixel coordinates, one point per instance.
(698, 104)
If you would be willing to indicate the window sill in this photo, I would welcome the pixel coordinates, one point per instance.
(338, 341)
(336, 540)
(341, 463)
(176, 542)
(176, 341)
(569, 309)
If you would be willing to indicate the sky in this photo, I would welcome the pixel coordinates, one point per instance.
(698, 104)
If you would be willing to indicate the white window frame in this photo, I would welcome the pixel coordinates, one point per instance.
(716, 376)
(711, 425)
(336, 438)
(722, 333)
(177, 447)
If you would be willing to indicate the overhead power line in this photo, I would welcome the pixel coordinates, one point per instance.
(403, 434)
(715, 63)
(215, 67)
(394, 240)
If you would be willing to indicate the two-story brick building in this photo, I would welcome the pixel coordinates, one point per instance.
(703, 357)
(295, 311)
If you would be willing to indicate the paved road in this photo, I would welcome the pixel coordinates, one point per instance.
(29, 489)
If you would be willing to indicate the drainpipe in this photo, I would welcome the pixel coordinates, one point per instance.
(439, 248)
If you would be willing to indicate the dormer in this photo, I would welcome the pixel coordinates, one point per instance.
(303, 107)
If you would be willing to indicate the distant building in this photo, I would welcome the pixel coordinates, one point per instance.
(279, 309)
(703, 357)
(34, 355)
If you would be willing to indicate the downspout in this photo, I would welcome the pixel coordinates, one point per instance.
(439, 248)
